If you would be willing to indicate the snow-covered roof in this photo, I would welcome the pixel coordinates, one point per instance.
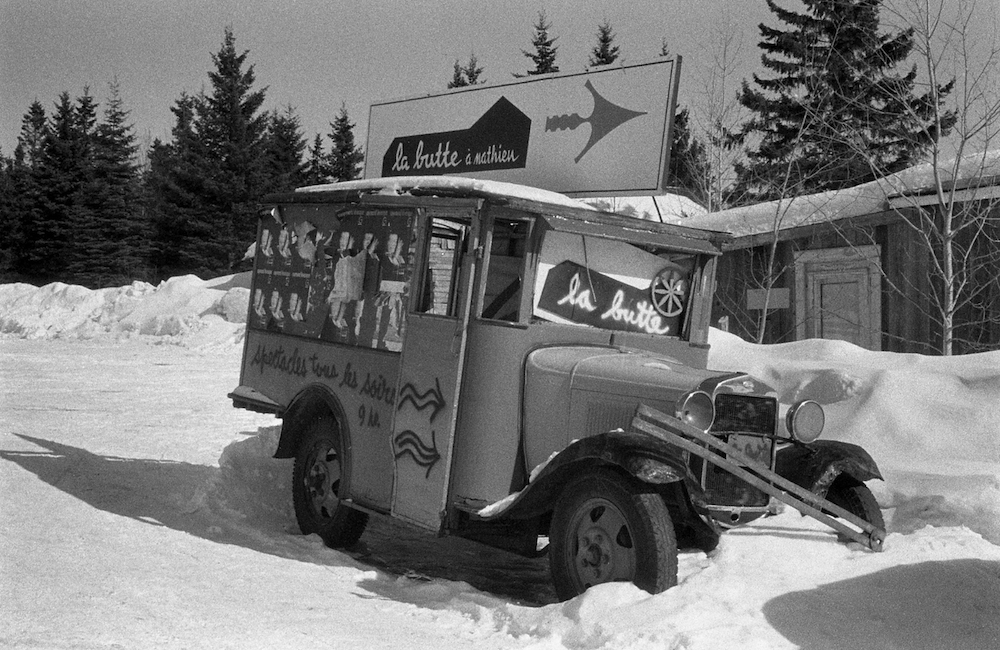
(452, 184)
(868, 198)
(669, 208)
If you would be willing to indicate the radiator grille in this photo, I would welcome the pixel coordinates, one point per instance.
(735, 414)
(744, 413)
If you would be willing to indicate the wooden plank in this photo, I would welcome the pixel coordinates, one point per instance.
(673, 431)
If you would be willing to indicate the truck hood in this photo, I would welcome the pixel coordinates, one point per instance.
(634, 373)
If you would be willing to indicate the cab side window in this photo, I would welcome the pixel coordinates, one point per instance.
(504, 281)
(446, 250)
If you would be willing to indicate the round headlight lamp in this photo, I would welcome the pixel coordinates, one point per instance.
(805, 421)
(697, 409)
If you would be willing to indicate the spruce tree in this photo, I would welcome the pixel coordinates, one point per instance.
(122, 244)
(458, 77)
(345, 157)
(544, 54)
(605, 52)
(467, 75)
(317, 167)
(10, 219)
(835, 113)
(473, 71)
(61, 173)
(182, 195)
(284, 146)
(233, 128)
(21, 208)
(689, 166)
(31, 139)
(203, 187)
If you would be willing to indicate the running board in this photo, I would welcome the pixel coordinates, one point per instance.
(677, 433)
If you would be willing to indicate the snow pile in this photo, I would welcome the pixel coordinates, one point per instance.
(931, 423)
(183, 309)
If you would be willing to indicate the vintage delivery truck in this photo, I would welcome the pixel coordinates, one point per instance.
(511, 366)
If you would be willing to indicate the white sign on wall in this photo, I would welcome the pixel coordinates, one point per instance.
(601, 133)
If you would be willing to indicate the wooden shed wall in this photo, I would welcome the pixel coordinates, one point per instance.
(908, 323)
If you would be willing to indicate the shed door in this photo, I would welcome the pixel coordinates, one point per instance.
(431, 369)
(838, 295)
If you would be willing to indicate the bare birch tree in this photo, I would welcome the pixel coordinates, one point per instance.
(952, 205)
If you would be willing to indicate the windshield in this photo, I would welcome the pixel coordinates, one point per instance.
(612, 285)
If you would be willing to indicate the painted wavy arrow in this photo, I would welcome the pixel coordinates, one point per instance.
(431, 398)
(605, 118)
(409, 443)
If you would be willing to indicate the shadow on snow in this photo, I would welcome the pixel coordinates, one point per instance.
(210, 503)
(929, 605)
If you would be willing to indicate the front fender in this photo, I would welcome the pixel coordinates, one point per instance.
(648, 459)
(817, 465)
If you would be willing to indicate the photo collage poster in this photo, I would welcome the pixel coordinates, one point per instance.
(341, 277)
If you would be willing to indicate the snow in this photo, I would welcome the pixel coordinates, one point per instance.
(140, 510)
(474, 186)
(667, 208)
(868, 198)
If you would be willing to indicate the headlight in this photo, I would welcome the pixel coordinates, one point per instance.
(805, 421)
(697, 409)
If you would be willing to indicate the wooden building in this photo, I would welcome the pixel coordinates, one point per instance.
(862, 264)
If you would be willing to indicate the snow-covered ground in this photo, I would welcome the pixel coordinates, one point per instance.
(138, 509)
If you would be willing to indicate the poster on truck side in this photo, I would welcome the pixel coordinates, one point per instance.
(339, 277)
(603, 132)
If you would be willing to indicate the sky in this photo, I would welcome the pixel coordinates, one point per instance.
(315, 55)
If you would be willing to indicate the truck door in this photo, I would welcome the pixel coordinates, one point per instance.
(431, 366)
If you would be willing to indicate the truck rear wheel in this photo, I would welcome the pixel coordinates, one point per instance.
(855, 497)
(315, 487)
(609, 528)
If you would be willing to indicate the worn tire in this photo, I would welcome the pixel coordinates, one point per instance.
(610, 528)
(857, 499)
(315, 483)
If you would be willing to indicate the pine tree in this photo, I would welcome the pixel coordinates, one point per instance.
(284, 146)
(345, 157)
(317, 168)
(836, 113)
(544, 55)
(605, 52)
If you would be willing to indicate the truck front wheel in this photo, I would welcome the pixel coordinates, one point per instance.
(315, 487)
(610, 528)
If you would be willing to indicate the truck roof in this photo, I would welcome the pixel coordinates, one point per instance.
(562, 212)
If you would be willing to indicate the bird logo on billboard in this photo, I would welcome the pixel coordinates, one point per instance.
(605, 118)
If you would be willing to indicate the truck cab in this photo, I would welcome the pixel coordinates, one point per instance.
(469, 357)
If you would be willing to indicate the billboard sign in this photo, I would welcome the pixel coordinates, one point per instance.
(603, 132)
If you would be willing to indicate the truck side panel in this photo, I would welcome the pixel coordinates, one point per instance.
(362, 380)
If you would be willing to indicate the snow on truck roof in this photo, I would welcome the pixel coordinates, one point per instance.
(565, 213)
(451, 185)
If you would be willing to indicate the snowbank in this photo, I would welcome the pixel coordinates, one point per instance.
(183, 310)
(931, 423)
